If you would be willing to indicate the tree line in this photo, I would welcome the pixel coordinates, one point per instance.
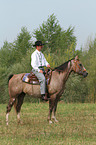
(60, 46)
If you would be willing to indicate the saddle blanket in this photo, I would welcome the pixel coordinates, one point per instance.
(25, 78)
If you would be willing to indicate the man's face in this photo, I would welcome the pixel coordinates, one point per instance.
(39, 48)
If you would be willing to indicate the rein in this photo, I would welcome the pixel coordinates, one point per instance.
(58, 70)
(53, 69)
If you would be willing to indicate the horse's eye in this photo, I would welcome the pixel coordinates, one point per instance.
(80, 64)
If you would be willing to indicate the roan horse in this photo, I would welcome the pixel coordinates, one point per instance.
(60, 74)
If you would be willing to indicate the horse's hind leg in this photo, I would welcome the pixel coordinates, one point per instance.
(18, 105)
(9, 107)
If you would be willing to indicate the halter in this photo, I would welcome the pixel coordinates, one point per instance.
(78, 66)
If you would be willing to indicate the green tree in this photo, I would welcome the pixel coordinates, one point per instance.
(22, 44)
(49, 32)
(89, 59)
(59, 42)
(76, 89)
(7, 54)
(92, 68)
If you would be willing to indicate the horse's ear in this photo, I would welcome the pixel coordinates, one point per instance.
(76, 58)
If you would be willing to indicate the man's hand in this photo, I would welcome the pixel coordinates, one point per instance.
(48, 66)
(41, 71)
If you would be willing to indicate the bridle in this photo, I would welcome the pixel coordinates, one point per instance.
(77, 65)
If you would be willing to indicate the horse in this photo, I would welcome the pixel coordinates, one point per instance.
(17, 88)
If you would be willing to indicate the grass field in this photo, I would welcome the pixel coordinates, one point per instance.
(76, 126)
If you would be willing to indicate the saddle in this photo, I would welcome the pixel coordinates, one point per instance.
(32, 79)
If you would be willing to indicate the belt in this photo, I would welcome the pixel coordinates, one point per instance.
(41, 67)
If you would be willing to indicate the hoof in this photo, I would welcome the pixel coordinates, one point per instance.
(19, 121)
(56, 121)
(54, 118)
(50, 122)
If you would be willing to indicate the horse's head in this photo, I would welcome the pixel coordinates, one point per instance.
(78, 67)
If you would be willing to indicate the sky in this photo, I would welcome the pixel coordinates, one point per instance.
(80, 14)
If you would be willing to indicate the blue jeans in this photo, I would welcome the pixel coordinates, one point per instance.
(42, 81)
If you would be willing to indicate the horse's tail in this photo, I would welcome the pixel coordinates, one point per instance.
(10, 77)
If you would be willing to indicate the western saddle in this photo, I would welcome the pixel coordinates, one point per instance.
(32, 79)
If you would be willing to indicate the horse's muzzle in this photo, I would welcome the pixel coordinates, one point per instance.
(85, 73)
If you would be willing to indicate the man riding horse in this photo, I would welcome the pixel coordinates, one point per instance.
(60, 74)
(38, 61)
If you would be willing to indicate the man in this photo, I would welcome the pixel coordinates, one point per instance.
(38, 62)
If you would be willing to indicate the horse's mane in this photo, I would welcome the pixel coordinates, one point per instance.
(63, 66)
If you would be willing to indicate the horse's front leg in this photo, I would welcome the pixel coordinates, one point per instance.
(54, 111)
(54, 114)
(51, 106)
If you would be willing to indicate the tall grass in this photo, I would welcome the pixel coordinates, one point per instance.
(76, 126)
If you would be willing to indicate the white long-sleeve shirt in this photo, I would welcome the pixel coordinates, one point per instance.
(37, 60)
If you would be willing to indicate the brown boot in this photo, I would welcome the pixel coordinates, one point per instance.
(44, 97)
